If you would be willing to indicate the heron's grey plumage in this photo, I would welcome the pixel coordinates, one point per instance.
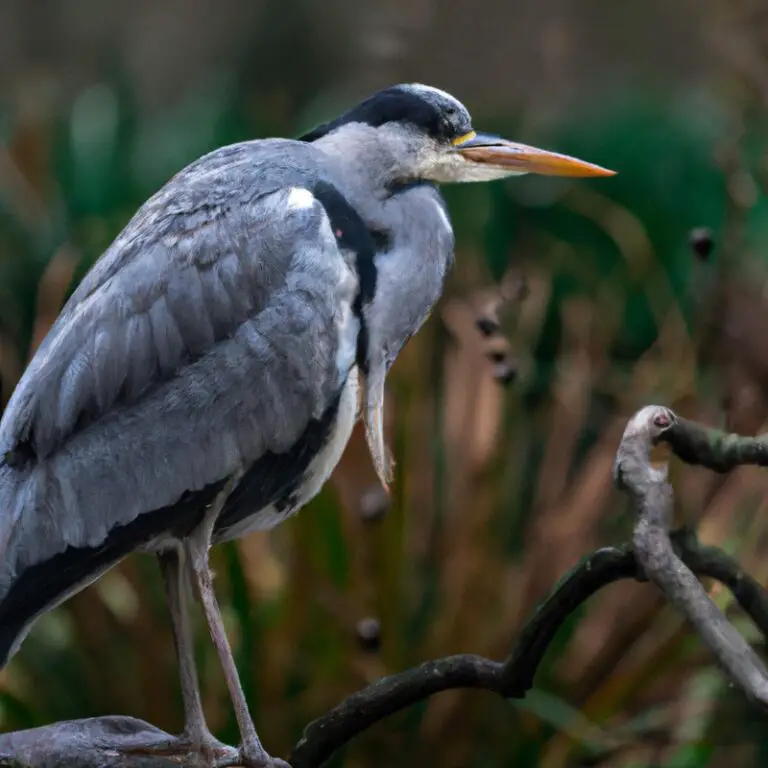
(213, 318)
(205, 376)
(210, 333)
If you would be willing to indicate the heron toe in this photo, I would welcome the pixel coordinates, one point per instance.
(194, 752)
(212, 752)
(254, 756)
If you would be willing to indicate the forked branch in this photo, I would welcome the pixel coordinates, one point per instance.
(653, 498)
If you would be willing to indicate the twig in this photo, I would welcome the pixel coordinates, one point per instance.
(713, 448)
(714, 563)
(653, 499)
(355, 714)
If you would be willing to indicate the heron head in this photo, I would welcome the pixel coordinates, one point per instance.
(429, 135)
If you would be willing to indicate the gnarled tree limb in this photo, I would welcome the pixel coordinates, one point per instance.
(713, 448)
(653, 500)
(514, 677)
(101, 742)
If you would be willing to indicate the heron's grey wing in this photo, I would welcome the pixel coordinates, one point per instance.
(178, 280)
(211, 345)
(233, 338)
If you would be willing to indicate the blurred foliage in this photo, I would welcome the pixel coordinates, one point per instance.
(499, 489)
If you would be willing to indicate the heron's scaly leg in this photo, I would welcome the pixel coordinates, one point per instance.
(373, 414)
(175, 582)
(197, 545)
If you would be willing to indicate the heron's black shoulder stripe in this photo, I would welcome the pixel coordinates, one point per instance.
(272, 479)
(352, 234)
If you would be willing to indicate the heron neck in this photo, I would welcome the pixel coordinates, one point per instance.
(369, 161)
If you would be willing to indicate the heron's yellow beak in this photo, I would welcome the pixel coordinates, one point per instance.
(494, 151)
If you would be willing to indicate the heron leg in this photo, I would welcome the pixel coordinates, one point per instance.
(197, 545)
(175, 582)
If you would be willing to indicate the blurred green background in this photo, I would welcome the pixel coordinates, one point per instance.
(501, 485)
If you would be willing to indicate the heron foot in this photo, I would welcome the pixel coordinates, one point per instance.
(212, 753)
(208, 749)
(195, 752)
(252, 755)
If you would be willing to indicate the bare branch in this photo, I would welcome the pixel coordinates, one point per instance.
(355, 714)
(714, 563)
(102, 742)
(653, 499)
(514, 677)
(713, 448)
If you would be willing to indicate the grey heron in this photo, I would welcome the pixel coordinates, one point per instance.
(203, 379)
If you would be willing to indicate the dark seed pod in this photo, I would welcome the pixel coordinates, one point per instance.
(487, 326)
(515, 288)
(369, 634)
(505, 371)
(374, 504)
(702, 243)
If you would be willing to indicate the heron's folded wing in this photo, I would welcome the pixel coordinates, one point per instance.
(213, 332)
(179, 280)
